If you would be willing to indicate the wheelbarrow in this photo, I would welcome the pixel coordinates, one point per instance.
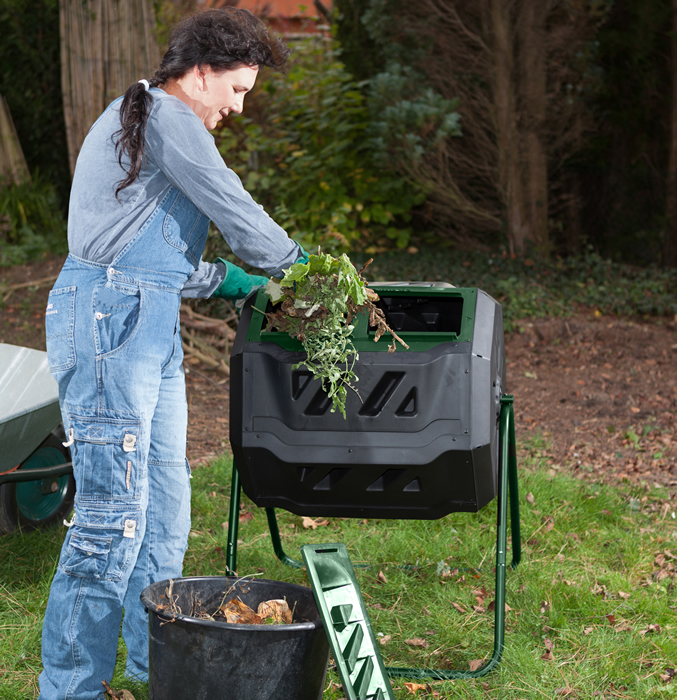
(36, 481)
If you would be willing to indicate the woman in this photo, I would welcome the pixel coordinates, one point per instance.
(147, 183)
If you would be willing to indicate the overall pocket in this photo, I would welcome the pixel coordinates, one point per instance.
(106, 459)
(60, 328)
(102, 542)
(86, 556)
(185, 228)
(117, 309)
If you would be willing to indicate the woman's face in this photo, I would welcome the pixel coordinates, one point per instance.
(219, 94)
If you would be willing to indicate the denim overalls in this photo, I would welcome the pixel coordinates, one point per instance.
(114, 347)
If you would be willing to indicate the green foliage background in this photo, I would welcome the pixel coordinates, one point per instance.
(306, 152)
(319, 147)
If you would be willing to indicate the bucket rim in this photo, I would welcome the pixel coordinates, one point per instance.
(169, 617)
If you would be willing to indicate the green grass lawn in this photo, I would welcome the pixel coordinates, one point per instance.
(591, 605)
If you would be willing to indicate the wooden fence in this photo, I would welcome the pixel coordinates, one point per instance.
(106, 45)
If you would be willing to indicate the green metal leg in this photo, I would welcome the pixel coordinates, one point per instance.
(507, 491)
(506, 465)
(514, 488)
(277, 542)
(233, 523)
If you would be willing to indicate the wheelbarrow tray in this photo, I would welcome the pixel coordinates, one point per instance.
(29, 403)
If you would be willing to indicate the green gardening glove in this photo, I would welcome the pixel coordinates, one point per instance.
(303, 255)
(237, 283)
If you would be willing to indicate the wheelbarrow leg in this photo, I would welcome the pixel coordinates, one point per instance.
(507, 464)
(233, 523)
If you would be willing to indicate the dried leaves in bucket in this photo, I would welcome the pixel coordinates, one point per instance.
(318, 301)
(274, 612)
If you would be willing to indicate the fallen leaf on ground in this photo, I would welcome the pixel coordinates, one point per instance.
(413, 688)
(117, 694)
(623, 627)
(587, 630)
(598, 590)
(549, 644)
(625, 596)
(651, 628)
(309, 522)
(547, 656)
(384, 640)
(668, 675)
(475, 664)
(530, 498)
(246, 517)
(545, 607)
(612, 619)
(417, 642)
(381, 577)
(459, 607)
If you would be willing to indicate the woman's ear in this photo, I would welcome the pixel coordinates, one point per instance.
(199, 79)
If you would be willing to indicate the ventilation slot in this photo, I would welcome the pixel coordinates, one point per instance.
(387, 478)
(305, 473)
(319, 404)
(381, 394)
(299, 382)
(413, 486)
(330, 481)
(408, 407)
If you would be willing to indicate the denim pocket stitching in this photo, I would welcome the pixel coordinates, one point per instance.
(68, 336)
(184, 245)
(99, 443)
(179, 244)
(130, 337)
(84, 561)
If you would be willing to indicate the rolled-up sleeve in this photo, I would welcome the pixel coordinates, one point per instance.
(179, 144)
(204, 281)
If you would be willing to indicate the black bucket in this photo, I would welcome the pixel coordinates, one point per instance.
(194, 659)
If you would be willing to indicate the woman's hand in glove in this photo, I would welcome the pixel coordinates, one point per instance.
(237, 284)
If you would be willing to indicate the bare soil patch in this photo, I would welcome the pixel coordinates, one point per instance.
(602, 390)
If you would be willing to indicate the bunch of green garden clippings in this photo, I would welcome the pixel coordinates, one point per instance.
(318, 302)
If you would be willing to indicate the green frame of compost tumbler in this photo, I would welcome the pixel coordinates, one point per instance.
(507, 490)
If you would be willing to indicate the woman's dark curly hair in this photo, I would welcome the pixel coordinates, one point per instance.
(221, 39)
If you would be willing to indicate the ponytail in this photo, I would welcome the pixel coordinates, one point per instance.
(134, 111)
(222, 39)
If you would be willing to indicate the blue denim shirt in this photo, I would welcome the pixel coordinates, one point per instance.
(179, 152)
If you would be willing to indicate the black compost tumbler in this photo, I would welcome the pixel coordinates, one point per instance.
(421, 439)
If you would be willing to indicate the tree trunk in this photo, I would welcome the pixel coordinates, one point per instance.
(507, 137)
(532, 86)
(13, 167)
(670, 243)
